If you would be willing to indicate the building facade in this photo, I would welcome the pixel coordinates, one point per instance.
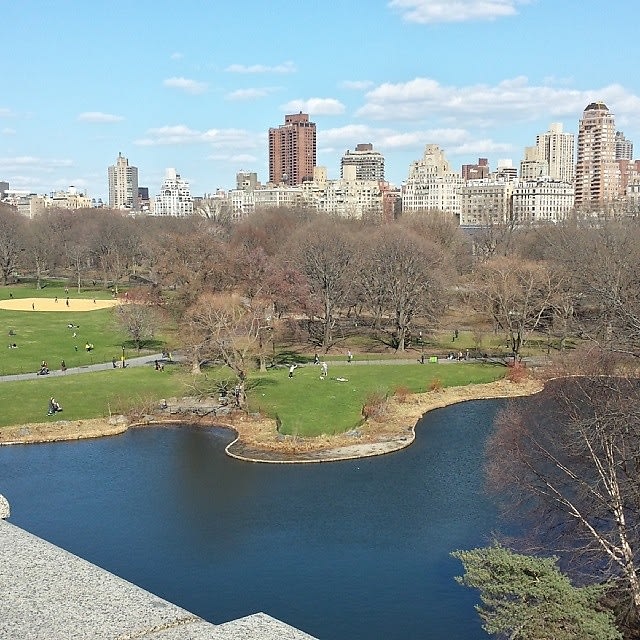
(624, 147)
(544, 200)
(477, 171)
(532, 166)
(174, 198)
(123, 185)
(597, 177)
(485, 202)
(557, 149)
(369, 164)
(431, 184)
(292, 150)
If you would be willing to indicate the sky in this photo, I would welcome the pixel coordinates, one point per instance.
(196, 84)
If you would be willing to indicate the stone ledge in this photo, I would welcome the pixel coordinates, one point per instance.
(51, 594)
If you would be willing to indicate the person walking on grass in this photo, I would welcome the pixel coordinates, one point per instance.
(292, 368)
(324, 369)
(349, 357)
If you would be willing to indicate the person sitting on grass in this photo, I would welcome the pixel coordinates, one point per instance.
(54, 406)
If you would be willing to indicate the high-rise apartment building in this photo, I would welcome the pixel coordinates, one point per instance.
(533, 166)
(624, 147)
(123, 185)
(369, 164)
(431, 185)
(597, 175)
(174, 198)
(557, 149)
(292, 150)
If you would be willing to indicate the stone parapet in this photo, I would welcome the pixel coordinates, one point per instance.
(50, 594)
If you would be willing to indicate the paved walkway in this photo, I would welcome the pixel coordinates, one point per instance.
(149, 360)
(141, 361)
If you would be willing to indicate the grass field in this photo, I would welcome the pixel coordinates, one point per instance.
(90, 395)
(305, 404)
(309, 406)
(47, 336)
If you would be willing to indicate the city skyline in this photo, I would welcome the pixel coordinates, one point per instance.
(199, 93)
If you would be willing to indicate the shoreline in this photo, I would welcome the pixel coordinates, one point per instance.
(257, 439)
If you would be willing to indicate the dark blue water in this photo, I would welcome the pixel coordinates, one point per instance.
(348, 550)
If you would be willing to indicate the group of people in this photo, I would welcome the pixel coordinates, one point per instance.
(324, 368)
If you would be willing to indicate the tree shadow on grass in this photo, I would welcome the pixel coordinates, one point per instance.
(259, 383)
(148, 344)
(286, 358)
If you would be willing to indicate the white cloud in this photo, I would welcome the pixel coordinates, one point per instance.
(385, 139)
(33, 162)
(423, 98)
(238, 159)
(99, 117)
(182, 135)
(5, 113)
(482, 147)
(356, 85)
(248, 94)
(185, 84)
(315, 106)
(176, 55)
(431, 11)
(8, 131)
(285, 67)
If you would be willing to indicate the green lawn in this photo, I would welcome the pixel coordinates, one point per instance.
(305, 404)
(309, 406)
(51, 289)
(46, 336)
(90, 395)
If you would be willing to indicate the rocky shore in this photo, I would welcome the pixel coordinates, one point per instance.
(257, 438)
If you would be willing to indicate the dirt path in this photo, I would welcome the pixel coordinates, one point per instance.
(50, 304)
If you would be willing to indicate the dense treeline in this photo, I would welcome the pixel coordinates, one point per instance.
(576, 279)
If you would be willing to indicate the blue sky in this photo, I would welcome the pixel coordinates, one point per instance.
(196, 84)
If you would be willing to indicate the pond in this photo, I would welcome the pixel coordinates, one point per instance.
(347, 550)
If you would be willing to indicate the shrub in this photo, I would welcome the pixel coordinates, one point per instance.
(375, 406)
(436, 385)
(516, 372)
(401, 393)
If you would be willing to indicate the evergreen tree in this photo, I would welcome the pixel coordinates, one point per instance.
(528, 598)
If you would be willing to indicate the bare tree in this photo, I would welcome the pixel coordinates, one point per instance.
(227, 329)
(323, 252)
(517, 294)
(139, 321)
(569, 468)
(11, 241)
(604, 262)
(402, 276)
(40, 247)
